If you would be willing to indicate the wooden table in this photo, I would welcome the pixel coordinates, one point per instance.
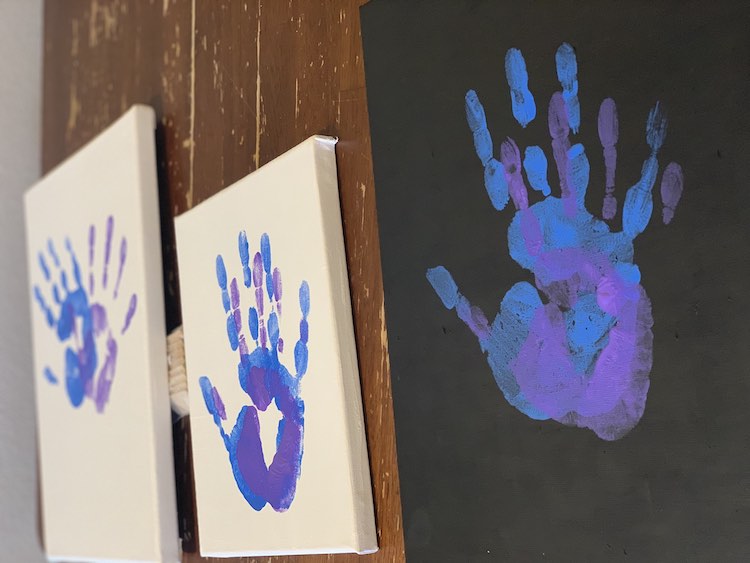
(234, 84)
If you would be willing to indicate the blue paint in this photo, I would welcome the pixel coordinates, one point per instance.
(304, 299)
(443, 284)
(53, 253)
(253, 322)
(244, 249)
(265, 252)
(639, 203)
(656, 128)
(587, 330)
(577, 347)
(535, 165)
(300, 357)
(273, 329)
(48, 315)
(496, 184)
(495, 181)
(265, 379)
(522, 101)
(43, 266)
(232, 333)
(578, 173)
(221, 277)
(89, 348)
(49, 376)
(477, 122)
(567, 70)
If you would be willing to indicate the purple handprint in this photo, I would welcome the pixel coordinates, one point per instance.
(582, 354)
(265, 379)
(82, 321)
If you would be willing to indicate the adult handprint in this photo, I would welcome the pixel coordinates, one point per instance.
(265, 379)
(80, 321)
(580, 353)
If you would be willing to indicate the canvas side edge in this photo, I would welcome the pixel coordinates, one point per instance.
(164, 486)
(365, 535)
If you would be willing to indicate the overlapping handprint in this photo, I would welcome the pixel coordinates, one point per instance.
(264, 378)
(581, 351)
(76, 309)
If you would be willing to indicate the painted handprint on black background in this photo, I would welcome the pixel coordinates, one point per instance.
(577, 348)
(264, 378)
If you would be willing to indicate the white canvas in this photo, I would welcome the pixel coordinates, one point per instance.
(99, 342)
(310, 492)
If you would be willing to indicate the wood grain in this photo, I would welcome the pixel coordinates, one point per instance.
(234, 85)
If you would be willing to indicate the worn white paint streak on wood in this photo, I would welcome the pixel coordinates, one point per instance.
(256, 156)
(296, 98)
(189, 194)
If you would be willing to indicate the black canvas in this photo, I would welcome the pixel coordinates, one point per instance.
(481, 480)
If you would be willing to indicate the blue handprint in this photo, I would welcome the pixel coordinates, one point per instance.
(82, 322)
(265, 379)
(582, 353)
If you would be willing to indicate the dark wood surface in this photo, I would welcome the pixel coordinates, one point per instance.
(234, 85)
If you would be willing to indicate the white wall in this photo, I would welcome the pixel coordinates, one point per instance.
(20, 122)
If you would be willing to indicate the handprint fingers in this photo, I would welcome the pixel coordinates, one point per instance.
(300, 350)
(567, 70)
(46, 311)
(443, 284)
(215, 406)
(609, 132)
(522, 101)
(107, 250)
(671, 190)
(92, 247)
(535, 165)
(121, 264)
(639, 204)
(510, 157)
(559, 129)
(106, 376)
(494, 173)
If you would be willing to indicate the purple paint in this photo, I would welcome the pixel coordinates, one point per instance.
(671, 190)
(510, 156)
(266, 381)
(559, 130)
(609, 131)
(577, 345)
(121, 265)
(92, 242)
(107, 248)
(82, 325)
(130, 313)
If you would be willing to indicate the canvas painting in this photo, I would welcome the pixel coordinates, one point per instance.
(561, 207)
(276, 411)
(100, 373)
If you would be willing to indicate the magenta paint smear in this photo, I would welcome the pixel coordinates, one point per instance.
(265, 379)
(81, 325)
(577, 345)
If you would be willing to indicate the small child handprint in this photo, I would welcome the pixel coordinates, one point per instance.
(582, 353)
(265, 379)
(80, 321)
